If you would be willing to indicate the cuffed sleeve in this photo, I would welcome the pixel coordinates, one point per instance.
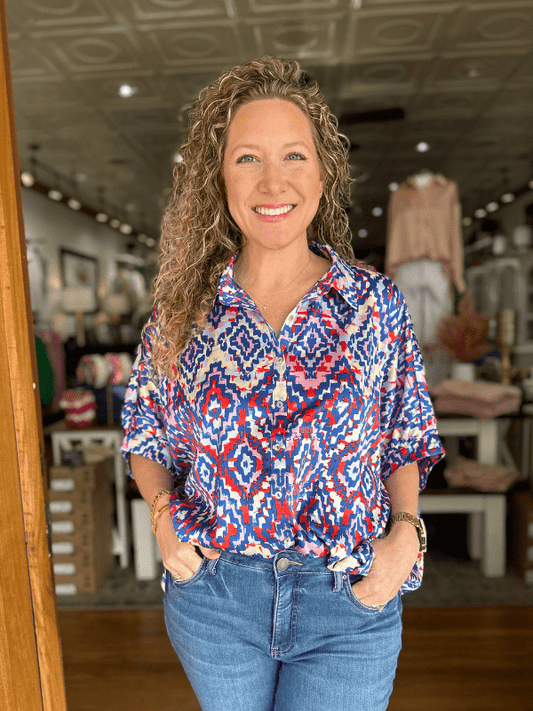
(408, 425)
(142, 413)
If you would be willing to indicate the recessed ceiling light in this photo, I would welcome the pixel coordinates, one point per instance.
(508, 197)
(127, 90)
(150, 242)
(74, 204)
(101, 217)
(467, 221)
(377, 211)
(492, 206)
(422, 147)
(480, 213)
(393, 187)
(126, 228)
(363, 233)
(115, 224)
(81, 177)
(27, 179)
(55, 195)
(178, 158)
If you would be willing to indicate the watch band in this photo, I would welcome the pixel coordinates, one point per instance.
(418, 523)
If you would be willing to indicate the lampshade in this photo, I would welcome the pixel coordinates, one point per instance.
(78, 298)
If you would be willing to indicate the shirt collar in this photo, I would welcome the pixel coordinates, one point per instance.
(340, 276)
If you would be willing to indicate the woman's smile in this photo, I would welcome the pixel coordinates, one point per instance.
(273, 213)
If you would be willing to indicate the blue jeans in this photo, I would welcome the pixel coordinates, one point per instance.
(281, 634)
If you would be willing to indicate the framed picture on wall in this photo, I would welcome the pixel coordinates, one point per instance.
(37, 268)
(80, 278)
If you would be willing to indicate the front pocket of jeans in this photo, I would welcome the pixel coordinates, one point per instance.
(195, 577)
(356, 602)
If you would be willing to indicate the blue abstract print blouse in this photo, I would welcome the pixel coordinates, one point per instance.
(285, 442)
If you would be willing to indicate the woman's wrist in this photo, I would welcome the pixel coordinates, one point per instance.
(160, 504)
(162, 513)
(403, 532)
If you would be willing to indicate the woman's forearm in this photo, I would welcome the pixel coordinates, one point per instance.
(402, 487)
(151, 478)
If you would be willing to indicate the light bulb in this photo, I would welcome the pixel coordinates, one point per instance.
(27, 179)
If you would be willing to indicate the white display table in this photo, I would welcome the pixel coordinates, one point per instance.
(486, 512)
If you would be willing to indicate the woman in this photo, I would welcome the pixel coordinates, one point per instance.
(277, 418)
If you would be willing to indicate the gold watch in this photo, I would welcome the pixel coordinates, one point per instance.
(418, 523)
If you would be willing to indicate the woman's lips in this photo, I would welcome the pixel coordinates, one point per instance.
(273, 213)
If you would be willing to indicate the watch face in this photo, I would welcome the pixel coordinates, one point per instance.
(423, 536)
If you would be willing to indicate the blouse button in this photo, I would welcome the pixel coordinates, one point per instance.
(279, 404)
(278, 447)
(280, 360)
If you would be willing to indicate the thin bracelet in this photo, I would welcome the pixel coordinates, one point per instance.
(156, 517)
(157, 497)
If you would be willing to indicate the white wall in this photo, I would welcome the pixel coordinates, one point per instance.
(51, 227)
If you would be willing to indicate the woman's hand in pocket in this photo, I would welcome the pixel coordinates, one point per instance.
(394, 558)
(180, 559)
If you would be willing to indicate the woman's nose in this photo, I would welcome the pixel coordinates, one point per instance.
(272, 179)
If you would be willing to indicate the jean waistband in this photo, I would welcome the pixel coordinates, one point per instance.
(295, 562)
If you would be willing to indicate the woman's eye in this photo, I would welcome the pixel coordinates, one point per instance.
(245, 159)
(295, 156)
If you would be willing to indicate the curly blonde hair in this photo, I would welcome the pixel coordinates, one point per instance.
(198, 234)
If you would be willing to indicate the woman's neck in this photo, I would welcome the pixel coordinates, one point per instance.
(270, 269)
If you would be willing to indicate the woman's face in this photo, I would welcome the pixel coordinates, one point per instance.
(271, 173)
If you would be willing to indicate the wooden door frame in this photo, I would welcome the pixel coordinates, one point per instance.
(31, 671)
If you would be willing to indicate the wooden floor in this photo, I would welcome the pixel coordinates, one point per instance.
(453, 659)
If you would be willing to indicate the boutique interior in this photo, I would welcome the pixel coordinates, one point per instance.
(435, 99)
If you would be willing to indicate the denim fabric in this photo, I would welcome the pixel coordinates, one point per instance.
(256, 634)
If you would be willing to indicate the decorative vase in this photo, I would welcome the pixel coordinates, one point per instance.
(463, 371)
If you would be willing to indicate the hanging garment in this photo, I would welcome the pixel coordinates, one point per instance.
(424, 223)
(428, 297)
(56, 356)
(45, 373)
(427, 294)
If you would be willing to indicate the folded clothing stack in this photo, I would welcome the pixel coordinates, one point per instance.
(479, 476)
(478, 399)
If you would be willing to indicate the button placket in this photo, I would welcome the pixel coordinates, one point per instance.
(279, 397)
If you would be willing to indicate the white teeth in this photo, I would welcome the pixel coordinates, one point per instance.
(272, 211)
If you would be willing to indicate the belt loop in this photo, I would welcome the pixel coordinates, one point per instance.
(211, 566)
(338, 580)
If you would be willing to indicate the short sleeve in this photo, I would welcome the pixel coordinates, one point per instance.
(142, 413)
(408, 424)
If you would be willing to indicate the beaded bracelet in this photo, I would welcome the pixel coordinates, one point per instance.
(158, 514)
(154, 502)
